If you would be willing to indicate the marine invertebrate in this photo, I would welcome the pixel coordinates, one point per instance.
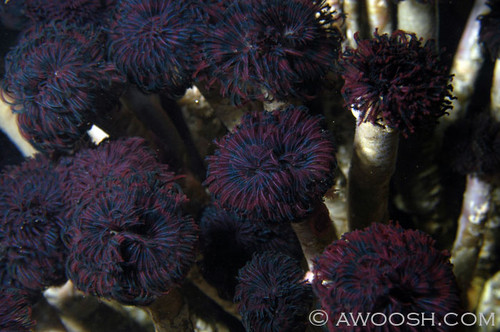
(275, 166)
(133, 243)
(84, 174)
(130, 239)
(282, 47)
(58, 81)
(15, 311)
(475, 153)
(221, 229)
(151, 41)
(396, 81)
(393, 84)
(32, 216)
(272, 294)
(420, 183)
(385, 269)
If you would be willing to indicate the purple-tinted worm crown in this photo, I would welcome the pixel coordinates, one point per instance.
(130, 239)
(57, 79)
(32, 210)
(385, 269)
(15, 311)
(272, 294)
(281, 46)
(84, 173)
(151, 41)
(275, 166)
(396, 80)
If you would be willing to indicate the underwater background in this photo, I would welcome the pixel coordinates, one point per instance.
(249, 165)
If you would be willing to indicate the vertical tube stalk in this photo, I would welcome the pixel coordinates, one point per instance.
(373, 163)
(315, 233)
(352, 11)
(495, 92)
(379, 16)
(475, 207)
(466, 65)
(419, 18)
(488, 304)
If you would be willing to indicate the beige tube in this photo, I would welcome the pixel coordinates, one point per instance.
(372, 165)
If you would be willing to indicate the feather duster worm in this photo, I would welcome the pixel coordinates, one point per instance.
(133, 243)
(393, 84)
(396, 81)
(276, 166)
(130, 239)
(272, 294)
(15, 311)
(85, 172)
(385, 269)
(32, 217)
(151, 43)
(58, 81)
(283, 47)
